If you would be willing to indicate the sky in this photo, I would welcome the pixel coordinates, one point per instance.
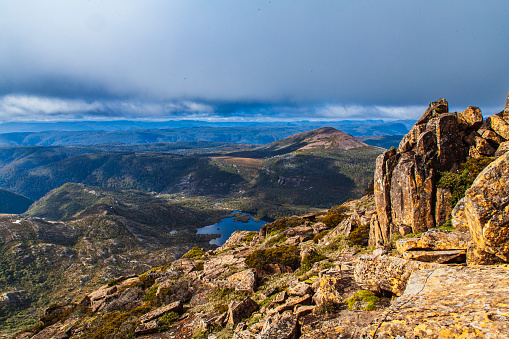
(249, 60)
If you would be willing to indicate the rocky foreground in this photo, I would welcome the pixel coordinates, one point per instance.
(315, 277)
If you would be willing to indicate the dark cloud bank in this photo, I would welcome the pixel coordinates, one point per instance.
(257, 60)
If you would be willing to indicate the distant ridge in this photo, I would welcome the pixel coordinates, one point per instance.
(324, 137)
(11, 202)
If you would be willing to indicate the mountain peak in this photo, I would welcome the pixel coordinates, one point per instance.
(324, 137)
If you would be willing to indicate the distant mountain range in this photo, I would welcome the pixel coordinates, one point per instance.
(315, 168)
(93, 133)
(354, 127)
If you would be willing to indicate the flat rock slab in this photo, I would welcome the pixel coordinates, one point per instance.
(440, 257)
(435, 240)
(449, 302)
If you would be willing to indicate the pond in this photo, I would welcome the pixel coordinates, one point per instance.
(228, 225)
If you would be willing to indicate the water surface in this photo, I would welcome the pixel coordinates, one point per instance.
(227, 226)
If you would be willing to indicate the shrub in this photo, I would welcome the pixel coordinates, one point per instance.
(151, 293)
(327, 307)
(316, 238)
(447, 226)
(167, 320)
(147, 279)
(283, 255)
(309, 260)
(282, 223)
(337, 243)
(335, 215)
(194, 253)
(359, 236)
(250, 237)
(364, 296)
(459, 182)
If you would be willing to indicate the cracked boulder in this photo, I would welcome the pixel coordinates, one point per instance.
(487, 209)
(383, 273)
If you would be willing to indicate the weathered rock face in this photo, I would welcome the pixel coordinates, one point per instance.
(284, 328)
(405, 178)
(381, 272)
(240, 310)
(487, 209)
(425, 311)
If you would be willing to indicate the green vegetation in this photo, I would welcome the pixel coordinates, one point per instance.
(280, 224)
(13, 203)
(322, 234)
(309, 260)
(194, 253)
(365, 296)
(221, 297)
(167, 320)
(359, 236)
(282, 255)
(336, 244)
(459, 182)
(447, 226)
(151, 293)
(250, 237)
(335, 215)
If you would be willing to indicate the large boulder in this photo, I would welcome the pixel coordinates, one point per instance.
(241, 310)
(245, 281)
(487, 208)
(475, 304)
(499, 125)
(383, 273)
(285, 328)
(405, 178)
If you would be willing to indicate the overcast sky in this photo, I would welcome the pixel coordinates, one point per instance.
(167, 59)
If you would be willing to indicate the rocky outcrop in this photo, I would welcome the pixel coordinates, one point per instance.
(405, 178)
(384, 273)
(487, 209)
(448, 302)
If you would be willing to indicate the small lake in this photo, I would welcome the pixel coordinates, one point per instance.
(227, 226)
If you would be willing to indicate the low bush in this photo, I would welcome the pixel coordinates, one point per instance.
(459, 182)
(316, 238)
(308, 261)
(282, 255)
(363, 296)
(359, 236)
(167, 320)
(194, 253)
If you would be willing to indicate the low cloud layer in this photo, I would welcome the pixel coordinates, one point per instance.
(32, 108)
(267, 59)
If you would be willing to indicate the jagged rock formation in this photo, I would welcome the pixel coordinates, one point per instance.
(405, 178)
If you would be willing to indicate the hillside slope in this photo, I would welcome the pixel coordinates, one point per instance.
(317, 169)
(107, 233)
(13, 203)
